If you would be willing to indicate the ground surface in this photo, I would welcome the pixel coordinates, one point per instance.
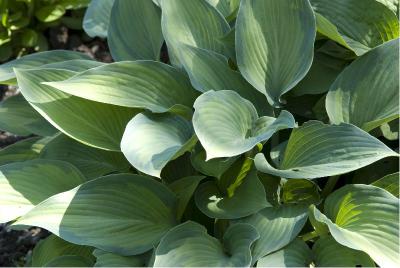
(16, 246)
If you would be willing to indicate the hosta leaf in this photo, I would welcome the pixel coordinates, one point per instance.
(225, 7)
(78, 65)
(214, 167)
(90, 161)
(194, 23)
(20, 189)
(366, 93)
(52, 247)
(358, 25)
(23, 150)
(184, 189)
(393, 5)
(277, 227)
(7, 75)
(390, 183)
(300, 191)
(322, 74)
(93, 123)
(189, 245)
(18, 117)
(296, 254)
(150, 141)
(135, 30)
(210, 71)
(364, 217)
(249, 198)
(69, 261)
(97, 17)
(132, 213)
(107, 259)
(228, 125)
(140, 84)
(274, 44)
(317, 150)
(329, 253)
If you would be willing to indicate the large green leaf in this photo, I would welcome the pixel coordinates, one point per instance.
(274, 44)
(209, 70)
(18, 117)
(52, 247)
(228, 125)
(226, 7)
(390, 183)
(189, 245)
(249, 198)
(150, 141)
(7, 75)
(329, 253)
(97, 17)
(93, 123)
(194, 23)
(90, 161)
(364, 217)
(296, 254)
(23, 150)
(135, 30)
(277, 227)
(139, 84)
(131, 214)
(107, 259)
(317, 150)
(357, 25)
(25, 184)
(366, 93)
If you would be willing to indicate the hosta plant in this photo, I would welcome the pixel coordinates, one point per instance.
(226, 133)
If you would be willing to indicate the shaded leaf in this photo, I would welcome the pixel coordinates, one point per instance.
(390, 183)
(178, 246)
(132, 213)
(107, 259)
(97, 17)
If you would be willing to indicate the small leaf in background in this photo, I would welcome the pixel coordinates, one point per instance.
(49, 13)
(132, 213)
(178, 246)
(194, 23)
(358, 25)
(150, 141)
(97, 17)
(300, 191)
(90, 161)
(317, 150)
(364, 217)
(274, 44)
(134, 32)
(23, 150)
(236, 128)
(373, 76)
(52, 247)
(329, 253)
(277, 226)
(18, 117)
(20, 190)
(248, 198)
(296, 254)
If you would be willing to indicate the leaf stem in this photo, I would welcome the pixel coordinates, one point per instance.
(329, 186)
(309, 236)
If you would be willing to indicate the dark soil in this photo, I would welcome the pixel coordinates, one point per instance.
(16, 246)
